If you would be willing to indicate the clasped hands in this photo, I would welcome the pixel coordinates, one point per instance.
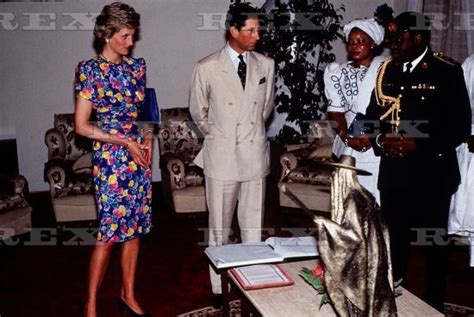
(360, 143)
(397, 146)
(141, 153)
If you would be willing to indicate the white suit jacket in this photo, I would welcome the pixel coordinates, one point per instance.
(233, 120)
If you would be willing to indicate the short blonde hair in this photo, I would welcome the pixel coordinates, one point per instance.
(114, 17)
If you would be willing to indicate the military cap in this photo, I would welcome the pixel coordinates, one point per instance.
(412, 22)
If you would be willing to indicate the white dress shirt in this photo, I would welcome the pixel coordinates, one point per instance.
(234, 56)
(415, 62)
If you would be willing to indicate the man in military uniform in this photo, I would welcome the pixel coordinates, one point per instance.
(422, 106)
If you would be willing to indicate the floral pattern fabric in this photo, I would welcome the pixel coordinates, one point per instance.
(342, 86)
(122, 188)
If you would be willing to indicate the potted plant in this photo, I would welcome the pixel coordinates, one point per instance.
(299, 36)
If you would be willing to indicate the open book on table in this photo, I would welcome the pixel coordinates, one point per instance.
(273, 250)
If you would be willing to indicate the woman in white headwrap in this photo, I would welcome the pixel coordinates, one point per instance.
(461, 215)
(348, 88)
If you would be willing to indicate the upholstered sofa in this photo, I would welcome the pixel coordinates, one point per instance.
(310, 182)
(183, 181)
(69, 172)
(15, 212)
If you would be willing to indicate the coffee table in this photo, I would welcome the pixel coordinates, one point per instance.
(302, 300)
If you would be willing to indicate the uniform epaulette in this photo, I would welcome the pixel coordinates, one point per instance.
(445, 58)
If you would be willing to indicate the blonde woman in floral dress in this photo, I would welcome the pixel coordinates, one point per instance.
(113, 84)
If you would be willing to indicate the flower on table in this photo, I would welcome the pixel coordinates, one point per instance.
(315, 278)
(318, 271)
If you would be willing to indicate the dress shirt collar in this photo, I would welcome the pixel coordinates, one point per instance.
(415, 62)
(234, 56)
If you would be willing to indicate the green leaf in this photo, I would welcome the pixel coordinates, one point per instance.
(324, 300)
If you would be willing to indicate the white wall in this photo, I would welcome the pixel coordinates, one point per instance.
(37, 66)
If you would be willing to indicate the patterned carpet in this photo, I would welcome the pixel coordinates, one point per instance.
(214, 312)
(451, 310)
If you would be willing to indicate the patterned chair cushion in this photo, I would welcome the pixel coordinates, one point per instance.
(78, 184)
(83, 164)
(177, 135)
(310, 173)
(75, 145)
(193, 176)
(9, 202)
(11, 192)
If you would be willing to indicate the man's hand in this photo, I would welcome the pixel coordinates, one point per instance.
(397, 146)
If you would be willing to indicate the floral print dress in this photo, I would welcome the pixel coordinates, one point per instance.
(122, 187)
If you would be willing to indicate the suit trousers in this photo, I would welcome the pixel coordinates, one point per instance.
(419, 218)
(222, 197)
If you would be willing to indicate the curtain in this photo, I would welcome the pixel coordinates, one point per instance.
(452, 24)
(449, 33)
(468, 9)
(408, 5)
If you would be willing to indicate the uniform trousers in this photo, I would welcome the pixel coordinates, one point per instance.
(419, 218)
(222, 197)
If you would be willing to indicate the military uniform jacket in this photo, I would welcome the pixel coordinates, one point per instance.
(233, 120)
(435, 110)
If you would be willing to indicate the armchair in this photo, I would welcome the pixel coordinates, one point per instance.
(69, 172)
(183, 182)
(15, 212)
(310, 183)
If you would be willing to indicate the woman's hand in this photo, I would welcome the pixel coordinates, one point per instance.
(148, 150)
(360, 144)
(137, 152)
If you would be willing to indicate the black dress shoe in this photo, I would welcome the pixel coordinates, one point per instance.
(217, 301)
(129, 312)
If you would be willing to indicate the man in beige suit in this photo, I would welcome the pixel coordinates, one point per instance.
(231, 97)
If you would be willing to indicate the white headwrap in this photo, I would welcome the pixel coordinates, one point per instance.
(369, 26)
